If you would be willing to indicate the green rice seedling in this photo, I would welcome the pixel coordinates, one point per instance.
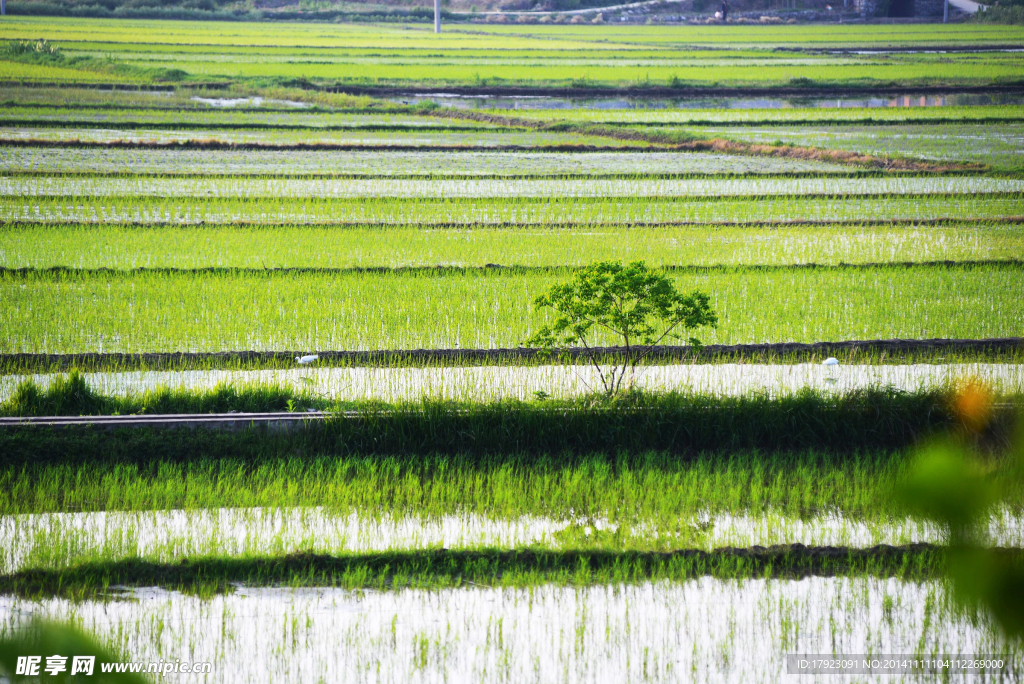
(129, 247)
(69, 313)
(376, 211)
(64, 161)
(128, 187)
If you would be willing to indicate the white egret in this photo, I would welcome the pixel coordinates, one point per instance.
(307, 359)
(830, 363)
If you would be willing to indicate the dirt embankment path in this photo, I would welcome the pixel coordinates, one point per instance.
(848, 351)
(719, 145)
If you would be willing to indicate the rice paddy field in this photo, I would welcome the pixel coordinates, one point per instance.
(461, 508)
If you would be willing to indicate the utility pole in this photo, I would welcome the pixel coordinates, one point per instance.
(437, 15)
(3, 6)
(945, 11)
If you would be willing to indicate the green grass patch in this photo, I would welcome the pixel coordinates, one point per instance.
(441, 569)
(679, 423)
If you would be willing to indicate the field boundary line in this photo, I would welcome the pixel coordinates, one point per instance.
(649, 143)
(218, 126)
(555, 91)
(222, 421)
(524, 199)
(815, 122)
(910, 223)
(494, 269)
(398, 90)
(852, 174)
(485, 567)
(849, 350)
(720, 145)
(312, 147)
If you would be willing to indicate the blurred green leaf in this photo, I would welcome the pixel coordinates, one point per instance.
(945, 486)
(42, 638)
(992, 579)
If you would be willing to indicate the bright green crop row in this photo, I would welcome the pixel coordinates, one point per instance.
(122, 247)
(816, 36)
(425, 137)
(243, 117)
(234, 34)
(659, 489)
(529, 55)
(963, 73)
(214, 312)
(501, 37)
(376, 210)
(18, 71)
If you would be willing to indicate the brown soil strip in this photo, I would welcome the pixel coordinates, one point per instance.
(280, 421)
(656, 140)
(539, 200)
(907, 223)
(492, 269)
(158, 175)
(1003, 47)
(595, 91)
(847, 351)
(139, 87)
(223, 145)
(853, 122)
(246, 126)
(722, 146)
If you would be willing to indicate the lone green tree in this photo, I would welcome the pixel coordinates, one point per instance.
(639, 305)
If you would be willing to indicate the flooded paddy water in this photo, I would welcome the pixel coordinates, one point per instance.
(838, 101)
(59, 540)
(488, 383)
(704, 629)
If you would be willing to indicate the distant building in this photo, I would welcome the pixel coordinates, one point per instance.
(923, 9)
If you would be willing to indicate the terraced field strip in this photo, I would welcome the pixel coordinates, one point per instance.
(256, 118)
(999, 145)
(130, 187)
(180, 125)
(426, 138)
(637, 162)
(69, 313)
(313, 115)
(383, 248)
(795, 116)
(553, 210)
(478, 56)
